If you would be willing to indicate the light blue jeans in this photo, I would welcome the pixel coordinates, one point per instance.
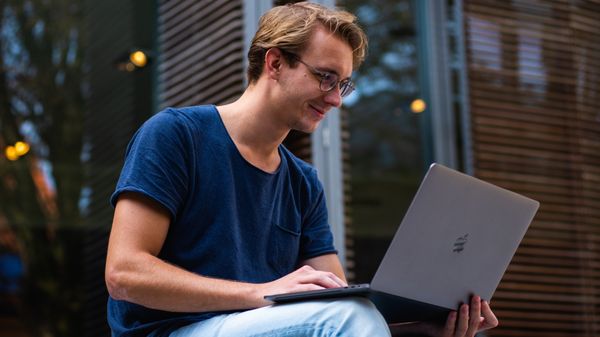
(353, 316)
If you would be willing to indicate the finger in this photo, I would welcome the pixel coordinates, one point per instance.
(463, 321)
(296, 288)
(330, 280)
(320, 278)
(450, 324)
(489, 318)
(306, 287)
(310, 275)
(338, 280)
(474, 316)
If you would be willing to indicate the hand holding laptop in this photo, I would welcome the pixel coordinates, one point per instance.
(469, 320)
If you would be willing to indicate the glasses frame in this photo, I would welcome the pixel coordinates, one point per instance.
(346, 85)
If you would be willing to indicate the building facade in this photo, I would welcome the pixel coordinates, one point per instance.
(506, 91)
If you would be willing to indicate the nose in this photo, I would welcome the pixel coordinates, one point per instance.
(334, 97)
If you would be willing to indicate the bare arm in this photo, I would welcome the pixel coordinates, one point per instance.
(134, 272)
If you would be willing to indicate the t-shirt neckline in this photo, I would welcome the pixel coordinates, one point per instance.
(235, 149)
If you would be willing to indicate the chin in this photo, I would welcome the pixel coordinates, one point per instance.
(307, 124)
(307, 128)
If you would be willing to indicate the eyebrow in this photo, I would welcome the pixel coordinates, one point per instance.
(321, 69)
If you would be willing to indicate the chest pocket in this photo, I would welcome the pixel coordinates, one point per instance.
(284, 247)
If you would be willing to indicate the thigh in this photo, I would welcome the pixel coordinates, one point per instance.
(347, 317)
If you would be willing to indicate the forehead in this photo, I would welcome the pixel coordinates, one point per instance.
(329, 52)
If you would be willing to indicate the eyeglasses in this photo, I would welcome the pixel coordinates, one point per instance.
(328, 81)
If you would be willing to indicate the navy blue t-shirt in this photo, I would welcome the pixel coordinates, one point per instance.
(229, 219)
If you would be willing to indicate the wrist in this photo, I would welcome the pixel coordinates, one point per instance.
(255, 293)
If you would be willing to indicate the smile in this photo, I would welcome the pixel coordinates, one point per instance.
(319, 111)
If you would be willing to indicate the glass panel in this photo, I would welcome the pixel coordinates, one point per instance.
(42, 102)
(68, 102)
(385, 121)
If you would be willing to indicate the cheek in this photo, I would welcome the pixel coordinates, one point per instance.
(300, 88)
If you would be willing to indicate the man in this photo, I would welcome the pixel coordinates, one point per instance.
(212, 213)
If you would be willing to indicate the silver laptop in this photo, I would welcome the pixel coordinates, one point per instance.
(456, 240)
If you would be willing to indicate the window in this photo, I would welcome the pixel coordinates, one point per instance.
(387, 143)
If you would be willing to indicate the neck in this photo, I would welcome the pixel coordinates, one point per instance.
(253, 125)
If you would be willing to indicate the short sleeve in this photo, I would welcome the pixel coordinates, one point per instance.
(157, 162)
(317, 238)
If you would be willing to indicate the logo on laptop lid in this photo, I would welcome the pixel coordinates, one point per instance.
(459, 244)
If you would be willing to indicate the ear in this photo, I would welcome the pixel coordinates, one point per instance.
(273, 63)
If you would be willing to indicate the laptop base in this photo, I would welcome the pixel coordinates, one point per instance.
(396, 309)
(351, 290)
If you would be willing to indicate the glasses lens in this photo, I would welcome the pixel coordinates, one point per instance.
(346, 88)
(328, 81)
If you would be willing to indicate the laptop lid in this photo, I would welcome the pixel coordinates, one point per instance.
(456, 239)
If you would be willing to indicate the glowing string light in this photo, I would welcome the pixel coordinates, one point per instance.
(21, 148)
(11, 153)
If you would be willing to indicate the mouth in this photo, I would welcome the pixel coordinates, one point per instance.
(318, 111)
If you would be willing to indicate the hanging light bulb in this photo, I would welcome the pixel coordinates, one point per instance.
(133, 60)
(138, 58)
(418, 106)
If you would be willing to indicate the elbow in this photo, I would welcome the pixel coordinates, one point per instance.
(116, 282)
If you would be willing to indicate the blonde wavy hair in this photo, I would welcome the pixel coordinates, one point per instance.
(289, 28)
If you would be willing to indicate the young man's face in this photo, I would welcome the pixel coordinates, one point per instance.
(305, 103)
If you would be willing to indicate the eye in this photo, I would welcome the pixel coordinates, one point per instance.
(326, 76)
(329, 78)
